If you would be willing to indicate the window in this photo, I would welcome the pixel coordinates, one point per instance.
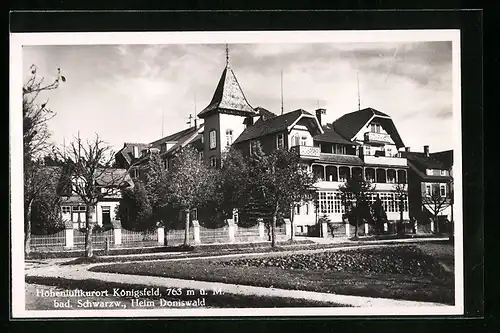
(213, 161)
(428, 190)
(330, 203)
(200, 155)
(303, 140)
(229, 137)
(202, 139)
(253, 145)
(66, 209)
(442, 190)
(280, 141)
(297, 209)
(375, 128)
(213, 139)
(307, 208)
(339, 149)
(194, 214)
(165, 164)
(443, 172)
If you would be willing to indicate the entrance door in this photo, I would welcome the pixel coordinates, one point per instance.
(106, 216)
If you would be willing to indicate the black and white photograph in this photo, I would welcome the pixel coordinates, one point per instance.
(188, 174)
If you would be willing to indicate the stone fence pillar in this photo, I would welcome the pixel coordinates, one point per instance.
(117, 232)
(432, 226)
(288, 228)
(262, 229)
(324, 229)
(69, 235)
(161, 235)
(231, 229)
(196, 231)
(366, 229)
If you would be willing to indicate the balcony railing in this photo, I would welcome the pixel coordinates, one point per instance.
(307, 152)
(371, 137)
(385, 160)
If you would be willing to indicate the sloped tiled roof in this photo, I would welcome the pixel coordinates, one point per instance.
(331, 136)
(341, 159)
(351, 123)
(128, 150)
(228, 97)
(264, 113)
(178, 136)
(269, 126)
(113, 177)
(445, 157)
(422, 162)
(425, 177)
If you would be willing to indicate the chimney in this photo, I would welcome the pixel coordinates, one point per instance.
(249, 121)
(319, 112)
(136, 152)
(407, 149)
(426, 150)
(195, 122)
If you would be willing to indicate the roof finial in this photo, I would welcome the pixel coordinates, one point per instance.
(281, 91)
(227, 55)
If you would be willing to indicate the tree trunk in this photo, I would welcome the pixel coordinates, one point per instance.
(273, 229)
(401, 231)
(356, 228)
(292, 225)
(186, 230)
(89, 251)
(27, 228)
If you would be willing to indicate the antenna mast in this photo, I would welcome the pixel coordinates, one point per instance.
(282, 92)
(359, 98)
(162, 123)
(227, 55)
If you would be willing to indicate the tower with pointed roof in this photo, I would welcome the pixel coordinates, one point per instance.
(224, 117)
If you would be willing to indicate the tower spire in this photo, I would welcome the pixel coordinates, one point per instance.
(227, 55)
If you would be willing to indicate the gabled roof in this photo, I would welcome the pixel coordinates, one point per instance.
(127, 152)
(271, 125)
(331, 136)
(423, 162)
(425, 177)
(228, 97)
(351, 123)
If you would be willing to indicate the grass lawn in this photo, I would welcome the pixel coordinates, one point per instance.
(401, 272)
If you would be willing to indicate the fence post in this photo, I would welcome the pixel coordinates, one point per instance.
(196, 231)
(161, 235)
(288, 228)
(262, 230)
(366, 229)
(117, 232)
(231, 229)
(432, 226)
(324, 229)
(69, 235)
(386, 227)
(347, 229)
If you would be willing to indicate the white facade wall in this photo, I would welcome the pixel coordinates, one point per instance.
(229, 122)
(300, 131)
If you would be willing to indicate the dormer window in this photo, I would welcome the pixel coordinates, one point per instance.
(213, 161)
(229, 137)
(213, 139)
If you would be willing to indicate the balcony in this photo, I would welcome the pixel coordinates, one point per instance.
(385, 160)
(377, 138)
(307, 152)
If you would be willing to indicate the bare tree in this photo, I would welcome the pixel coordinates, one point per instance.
(88, 171)
(35, 143)
(354, 193)
(436, 203)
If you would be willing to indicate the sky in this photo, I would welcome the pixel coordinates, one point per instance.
(122, 91)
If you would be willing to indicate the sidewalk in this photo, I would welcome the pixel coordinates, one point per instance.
(81, 273)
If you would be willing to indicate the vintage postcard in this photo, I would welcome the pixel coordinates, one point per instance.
(183, 174)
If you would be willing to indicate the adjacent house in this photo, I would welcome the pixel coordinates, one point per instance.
(110, 182)
(431, 188)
